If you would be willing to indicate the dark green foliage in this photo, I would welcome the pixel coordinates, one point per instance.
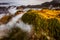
(29, 17)
(54, 28)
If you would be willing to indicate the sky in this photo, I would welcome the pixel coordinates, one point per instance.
(25, 2)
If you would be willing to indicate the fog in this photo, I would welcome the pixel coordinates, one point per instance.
(4, 28)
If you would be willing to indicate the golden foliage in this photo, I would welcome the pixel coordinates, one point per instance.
(5, 19)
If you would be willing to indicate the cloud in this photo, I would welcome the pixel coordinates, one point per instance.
(25, 2)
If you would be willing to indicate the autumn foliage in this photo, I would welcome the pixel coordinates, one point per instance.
(46, 23)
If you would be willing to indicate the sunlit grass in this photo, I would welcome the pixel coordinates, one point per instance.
(45, 22)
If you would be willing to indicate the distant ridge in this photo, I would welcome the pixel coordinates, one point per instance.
(8, 4)
(4, 3)
(49, 5)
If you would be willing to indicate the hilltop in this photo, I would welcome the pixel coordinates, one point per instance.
(49, 5)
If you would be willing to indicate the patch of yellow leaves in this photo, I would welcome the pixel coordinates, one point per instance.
(48, 13)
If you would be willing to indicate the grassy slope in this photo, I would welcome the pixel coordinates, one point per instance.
(45, 23)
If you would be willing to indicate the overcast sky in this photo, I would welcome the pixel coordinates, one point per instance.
(25, 2)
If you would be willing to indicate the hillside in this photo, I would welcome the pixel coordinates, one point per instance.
(46, 23)
(41, 24)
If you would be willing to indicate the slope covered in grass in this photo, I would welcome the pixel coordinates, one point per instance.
(46, 23)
